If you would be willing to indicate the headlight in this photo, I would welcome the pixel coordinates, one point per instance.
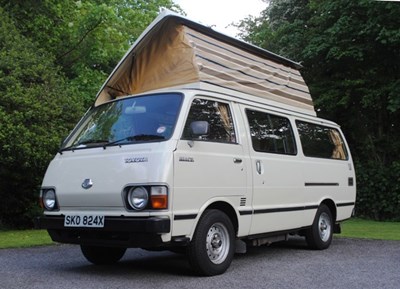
(49, 199)
(138, 198)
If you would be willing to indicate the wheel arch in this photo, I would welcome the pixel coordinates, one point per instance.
(332, 207)
(228, 210)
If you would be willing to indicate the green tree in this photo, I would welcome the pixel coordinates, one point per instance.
(36, 109)
(351, 54)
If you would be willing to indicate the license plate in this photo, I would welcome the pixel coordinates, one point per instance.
(90, 221)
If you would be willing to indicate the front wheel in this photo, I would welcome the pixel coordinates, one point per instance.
(212, 248)
(102, 255)
(319, 236)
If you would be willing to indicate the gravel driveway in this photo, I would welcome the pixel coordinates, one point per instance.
(348, 263)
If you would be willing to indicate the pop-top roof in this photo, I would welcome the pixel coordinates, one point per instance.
(175, 51)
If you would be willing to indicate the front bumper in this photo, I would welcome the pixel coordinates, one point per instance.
(117, 231)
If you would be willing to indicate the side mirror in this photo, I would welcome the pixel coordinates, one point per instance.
(199, 128)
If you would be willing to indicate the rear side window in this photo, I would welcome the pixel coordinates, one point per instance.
(321, 142)
(217, 115)
(271, 133)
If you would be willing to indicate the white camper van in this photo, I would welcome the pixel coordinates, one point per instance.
(201, 143)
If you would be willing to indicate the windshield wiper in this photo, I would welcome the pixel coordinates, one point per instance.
(85, 142)
(91, 141)
(106, 143)
(139, 137)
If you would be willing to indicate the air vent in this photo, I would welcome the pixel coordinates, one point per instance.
(243, 202)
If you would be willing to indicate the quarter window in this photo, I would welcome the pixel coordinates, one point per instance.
(217, 115)
(271, 133)
(321, 141)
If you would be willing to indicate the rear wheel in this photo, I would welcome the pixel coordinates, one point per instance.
(102, 255)
(319, 236)
(212, 248)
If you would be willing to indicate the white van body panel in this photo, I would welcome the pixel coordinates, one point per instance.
(110, 169)
(199, 181)
(328, 179)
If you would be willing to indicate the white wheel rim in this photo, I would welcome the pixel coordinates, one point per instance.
(324, 227)
(217, 243)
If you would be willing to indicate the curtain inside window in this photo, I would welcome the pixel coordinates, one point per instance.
(338, 151)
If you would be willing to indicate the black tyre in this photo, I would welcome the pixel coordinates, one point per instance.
(102, 255)
(212, 248)
(319, 236)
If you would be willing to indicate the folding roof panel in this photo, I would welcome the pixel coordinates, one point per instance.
(175, 51)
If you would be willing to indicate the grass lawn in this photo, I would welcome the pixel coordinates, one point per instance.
(359, 228)
(353, 228)
(24, 238)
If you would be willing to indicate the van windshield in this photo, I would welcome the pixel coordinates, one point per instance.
(128, 120)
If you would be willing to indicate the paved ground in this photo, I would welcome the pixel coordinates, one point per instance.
(348, 263)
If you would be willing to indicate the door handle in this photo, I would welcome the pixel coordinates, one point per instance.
(259, 167)
(237, 160)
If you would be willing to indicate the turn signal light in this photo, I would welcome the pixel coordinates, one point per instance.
(159, 197)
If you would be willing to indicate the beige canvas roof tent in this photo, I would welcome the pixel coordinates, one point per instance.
(175, 51)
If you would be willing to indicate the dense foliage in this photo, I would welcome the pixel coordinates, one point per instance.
(36, 103)
(350, 51)
(54, 55)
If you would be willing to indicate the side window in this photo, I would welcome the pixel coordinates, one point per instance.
(271, 133)
(218, 116)
(321, 141)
